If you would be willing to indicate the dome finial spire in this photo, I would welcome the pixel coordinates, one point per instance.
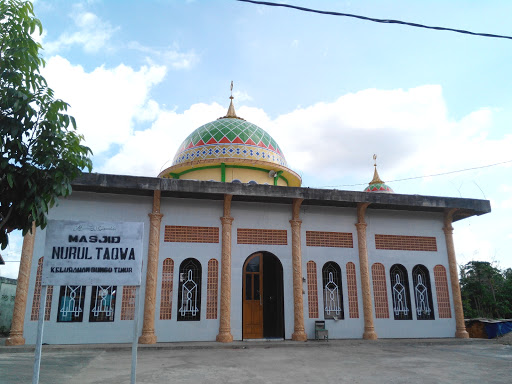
(231, 110)
(376, 179)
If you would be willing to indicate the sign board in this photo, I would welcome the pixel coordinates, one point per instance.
(92, 253)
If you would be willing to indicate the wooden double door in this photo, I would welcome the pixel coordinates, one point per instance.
(262, 297)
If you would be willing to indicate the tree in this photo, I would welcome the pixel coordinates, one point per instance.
(41, 153)
(485, 290)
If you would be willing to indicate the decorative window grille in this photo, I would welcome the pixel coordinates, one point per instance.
(128, 302)
(262, 236)
(212, 289)
(191, 234)
(333, 297)
(329, 239)
(443, 296)
(189, 291)
(71, 303)
(166, 291)
(34, 315)
(353, 306)
(406, 243)
(380, 294)
(103, 303)
(312, 290)
(400, 290)
(422, 293)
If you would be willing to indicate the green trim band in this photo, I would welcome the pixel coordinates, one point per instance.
(222, 172)
(224, 166)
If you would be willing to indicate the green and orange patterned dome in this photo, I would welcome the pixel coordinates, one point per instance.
(229, 137)
(231, 149)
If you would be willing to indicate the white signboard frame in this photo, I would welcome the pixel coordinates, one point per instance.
(91, 253)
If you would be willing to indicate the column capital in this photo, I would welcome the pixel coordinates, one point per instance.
(155, 216)
(226, 220)
(448, 230)
(295, 222)
(361, 225)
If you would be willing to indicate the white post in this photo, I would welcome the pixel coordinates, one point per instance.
(135, 334)
(39, 342)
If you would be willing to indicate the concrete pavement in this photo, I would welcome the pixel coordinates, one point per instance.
(345, 361)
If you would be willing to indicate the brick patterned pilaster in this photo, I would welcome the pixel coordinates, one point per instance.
(460, 330)
(298, 303)
(225, 335)
(20, 302)
(155, 219)
(369, 329)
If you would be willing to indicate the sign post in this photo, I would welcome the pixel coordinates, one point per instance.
(91, 253)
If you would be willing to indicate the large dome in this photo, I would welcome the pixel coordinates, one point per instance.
(229, 138)
(232, 143)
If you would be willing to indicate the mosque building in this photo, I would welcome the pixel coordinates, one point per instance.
(235, 249)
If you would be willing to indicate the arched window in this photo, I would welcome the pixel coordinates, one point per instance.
(128, 302)
(353, 307)
(37, 295)
(189, 291)
(166, 291)
(212, 290)
(380, 291)
(236, 181)
(333, 296)
(400, 290)
(252, 182)
(103, 303)
(422, 293)
(443, 295)
(71, 303)
(312, 290)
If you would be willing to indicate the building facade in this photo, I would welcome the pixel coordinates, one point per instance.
(235, 249)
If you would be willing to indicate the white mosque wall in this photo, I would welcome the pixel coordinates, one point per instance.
(188, 212)
(405, 223)
(331, 219)
(260, 216)
(91, 207)
(207, 213)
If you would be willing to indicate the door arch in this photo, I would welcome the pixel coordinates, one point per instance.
(262, 297)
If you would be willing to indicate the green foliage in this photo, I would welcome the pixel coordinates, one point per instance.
(41, 153)
(486, 291)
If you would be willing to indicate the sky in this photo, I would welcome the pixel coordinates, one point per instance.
(141, 75)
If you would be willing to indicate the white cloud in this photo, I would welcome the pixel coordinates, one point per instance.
(155, 147)
(472, 246)
(105, 102)
(241, 96)
(409, 129)
(171, 56)
(91, 33)
(12, 255)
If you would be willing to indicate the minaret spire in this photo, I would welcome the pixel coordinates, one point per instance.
(376, 179)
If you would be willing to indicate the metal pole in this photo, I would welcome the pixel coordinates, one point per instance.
(135, 334)
(39, 342)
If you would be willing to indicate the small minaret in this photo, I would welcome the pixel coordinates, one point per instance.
(377, 185)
